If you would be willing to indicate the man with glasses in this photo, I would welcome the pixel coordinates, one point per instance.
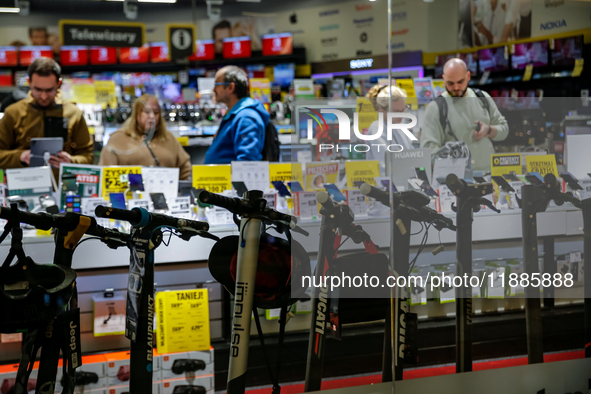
(241, 135)
(41, 115)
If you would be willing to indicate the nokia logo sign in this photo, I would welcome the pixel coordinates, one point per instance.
(552, 25)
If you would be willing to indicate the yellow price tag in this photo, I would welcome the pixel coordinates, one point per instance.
(528, 71)
(362, 171)
(184, 141)
(578, 67)
(213, 178)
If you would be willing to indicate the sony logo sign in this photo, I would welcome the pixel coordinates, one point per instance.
(361, 63)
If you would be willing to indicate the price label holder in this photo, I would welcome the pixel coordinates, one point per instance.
(357, 202)
(305, 205)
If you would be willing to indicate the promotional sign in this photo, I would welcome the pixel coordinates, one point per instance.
(105, 93)
(260, 89)
(181, 40)
(183, 320)
(159, 52)
(83, 91)
(134, 55)
(366, 113)
(542, 164)
(80, 179)
(28, 54)
(213, 178)
(408, 86)
(318, 174)
(254, 174)
(8, 56)
(112, 179)
(236, 47)
(438, 87)
(277, 44)
(71, 55)
(362, 171)
(279, 172)
(303, 88)
(505, 163)
(103, 55)
(205, 50)
(102, 33)
(424, 90)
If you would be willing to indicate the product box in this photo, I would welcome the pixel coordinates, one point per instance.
(92, 372)
(187, 365)
(8, 378)
(180, 385)
(118, 368)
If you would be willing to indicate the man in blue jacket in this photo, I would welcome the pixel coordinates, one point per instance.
(241, 134)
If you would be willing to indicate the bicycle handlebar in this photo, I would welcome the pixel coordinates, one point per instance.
(232, 204)
(141, 218)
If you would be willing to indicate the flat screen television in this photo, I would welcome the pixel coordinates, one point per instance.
(277, 44)
(471, 60)
(534, 53)
(566, 50)
(493, 59)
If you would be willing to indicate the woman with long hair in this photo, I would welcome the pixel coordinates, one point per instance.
(143, 140)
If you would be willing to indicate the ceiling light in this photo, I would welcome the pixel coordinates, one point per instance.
(157, 1)
(13, 10)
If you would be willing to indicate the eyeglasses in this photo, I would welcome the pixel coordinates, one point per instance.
(222, 83)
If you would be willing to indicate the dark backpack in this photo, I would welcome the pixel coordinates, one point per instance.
(271, 146)
(442, 104)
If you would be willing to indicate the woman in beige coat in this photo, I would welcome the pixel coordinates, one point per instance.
(143, 140)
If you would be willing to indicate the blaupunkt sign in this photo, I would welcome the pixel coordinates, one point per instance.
(97, 33)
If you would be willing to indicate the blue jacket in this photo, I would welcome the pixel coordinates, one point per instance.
(241, 135)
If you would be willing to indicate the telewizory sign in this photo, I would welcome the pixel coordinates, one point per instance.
(345, 129)
(95, 33)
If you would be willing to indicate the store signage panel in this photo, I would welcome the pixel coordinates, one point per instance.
(159, 52)
(29, 53)
(205, 50)
(134, 55)
(8, 56)
(74, 55)
(103, 55)
(181, 41)
(277, 44)
(403, 59)
(98, 33)
(237, 47)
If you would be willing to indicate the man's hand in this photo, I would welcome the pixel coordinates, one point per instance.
(61, 157)
(485, 131)
(26, 157)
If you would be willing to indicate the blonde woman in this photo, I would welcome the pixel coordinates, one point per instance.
(379, 96)
(143, 140)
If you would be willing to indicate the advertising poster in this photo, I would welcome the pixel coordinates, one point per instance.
(80, 179)
(424, 90)
(260, 89)
(408, 86)
(362, 172)
(112, 179)
(318, 174)
(543, 164)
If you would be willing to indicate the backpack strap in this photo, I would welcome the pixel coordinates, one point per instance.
(482, 97)
(443, 119)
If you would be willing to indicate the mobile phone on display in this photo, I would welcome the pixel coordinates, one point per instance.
(441, 180)
(281, 188)
(240, 188)
(421, 174)
(295, 186)
(334, 192)
(136, 183)
(537, 175)
(534, 180)
(385, 183)
(428, 190)
(573, 182)
(159, 201)
(479, 179)
(117, 200)
(511, 177)
(503, 184)
(69, 184)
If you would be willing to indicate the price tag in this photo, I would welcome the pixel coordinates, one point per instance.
(445, 199)
(138, 203)
(271, 200)
(494, 283)
(514, 196)
(418, 295)
(578, 67)
(357, 202)
(306, 205)
(528, 71)
(586, 185)
(304, 156)
(180, 207)
(217, 216)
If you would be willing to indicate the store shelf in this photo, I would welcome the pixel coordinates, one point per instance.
(488, 227)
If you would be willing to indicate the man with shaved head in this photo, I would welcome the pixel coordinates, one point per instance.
(472, 117)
